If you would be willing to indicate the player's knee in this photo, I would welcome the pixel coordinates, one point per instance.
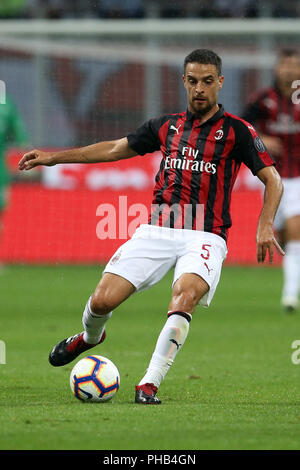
(185, 300)
(186, 294)
(101, 303)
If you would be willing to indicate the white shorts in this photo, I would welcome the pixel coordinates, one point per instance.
(290, 203)
(153, 251)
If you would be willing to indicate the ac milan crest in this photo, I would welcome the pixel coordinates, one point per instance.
(219, 134)
(116, 257)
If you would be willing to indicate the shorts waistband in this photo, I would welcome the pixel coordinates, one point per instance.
(176, 234)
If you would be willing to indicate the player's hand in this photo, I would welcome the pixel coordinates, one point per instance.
(265, 242)
(35, 158)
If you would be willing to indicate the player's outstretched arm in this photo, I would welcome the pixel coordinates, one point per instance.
(265, 238)
(108, 151)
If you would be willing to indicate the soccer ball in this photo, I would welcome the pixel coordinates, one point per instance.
(94, 379)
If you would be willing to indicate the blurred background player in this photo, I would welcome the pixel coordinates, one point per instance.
(12, 132)
(276, 115)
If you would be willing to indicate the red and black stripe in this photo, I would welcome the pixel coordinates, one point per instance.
(276, 115)
(218, 185)
(195, 197)
(199, 166)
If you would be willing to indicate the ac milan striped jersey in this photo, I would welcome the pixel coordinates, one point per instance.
(199, 166)
(276, 115)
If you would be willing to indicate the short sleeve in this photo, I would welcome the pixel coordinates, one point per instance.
(253, 112)
(146, 138)
(250, 148)
(256, 111)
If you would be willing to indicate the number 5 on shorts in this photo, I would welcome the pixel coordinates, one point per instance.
(206, 254)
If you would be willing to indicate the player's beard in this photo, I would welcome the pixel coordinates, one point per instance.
(204, 110)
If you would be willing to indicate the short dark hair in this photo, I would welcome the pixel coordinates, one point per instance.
(204, 56)
(286, 53)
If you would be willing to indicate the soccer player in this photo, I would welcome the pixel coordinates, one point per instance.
(202, 150)
(277, 117)
(12, 132)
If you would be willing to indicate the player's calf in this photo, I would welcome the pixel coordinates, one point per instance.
(111, 291)
(187, 292)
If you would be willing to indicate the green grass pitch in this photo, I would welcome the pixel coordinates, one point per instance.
(233, 385)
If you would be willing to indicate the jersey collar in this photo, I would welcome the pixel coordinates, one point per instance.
(218, 115)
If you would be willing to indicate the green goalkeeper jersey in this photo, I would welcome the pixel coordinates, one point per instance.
(12, 132)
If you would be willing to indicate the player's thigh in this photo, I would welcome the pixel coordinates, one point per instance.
(203, 259)
(188, 290)
(292, 228)
(289, 209)
(111, 291)
(144, 259)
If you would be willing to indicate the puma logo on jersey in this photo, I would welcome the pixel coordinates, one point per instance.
(176, 129)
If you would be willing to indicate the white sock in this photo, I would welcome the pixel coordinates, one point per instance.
(93, 324)
(170, 340)
(291, 270)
